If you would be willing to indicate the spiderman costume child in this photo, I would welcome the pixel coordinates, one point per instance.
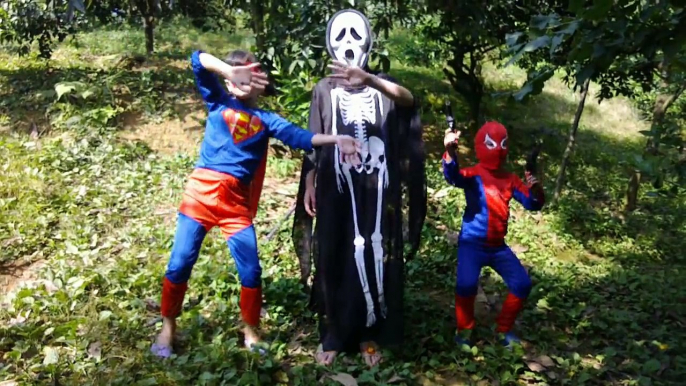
(224, 189)
(488, 190)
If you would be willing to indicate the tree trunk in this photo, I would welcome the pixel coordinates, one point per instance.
(147, 10)
(571, 141)
(149, 25)
(662, 104)
(257, 17)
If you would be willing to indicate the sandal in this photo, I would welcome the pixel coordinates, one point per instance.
(371, 354)
(256, 347)
(161, 351)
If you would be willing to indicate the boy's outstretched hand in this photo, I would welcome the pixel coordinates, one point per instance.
(450, 141)
(355, 76)
(531, 180)
(247, 79)
(349, 147)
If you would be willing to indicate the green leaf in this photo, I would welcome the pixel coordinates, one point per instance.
(556, 41)
(105, 315)
(537, 43)
(65, 88)
(571, 28)
(50, 356)
(542, 21)
(88, 93)
(152, 381)
(652, 366)
(512, 39)
(598, 50)
(587, 72)
(523, 92)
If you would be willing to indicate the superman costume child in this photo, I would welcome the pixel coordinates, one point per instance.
(488, 190)
(225, 187)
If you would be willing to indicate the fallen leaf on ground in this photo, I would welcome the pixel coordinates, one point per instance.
(545, 361)
(95, 350)
(535, 367)
(344, 379)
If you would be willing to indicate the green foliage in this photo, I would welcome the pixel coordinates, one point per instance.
(616, 44)
(408, 46)
(205, 14)
(25, 22)
(469, 33)
(628, 48)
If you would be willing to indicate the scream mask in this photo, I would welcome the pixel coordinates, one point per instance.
(491, 145)
(349, 37)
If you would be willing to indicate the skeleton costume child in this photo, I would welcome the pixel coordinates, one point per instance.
(357, 246)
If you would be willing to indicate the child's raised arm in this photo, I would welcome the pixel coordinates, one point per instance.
(295, 137)
(531, 195)
(206, 66)
(451, 167)
(357, 76)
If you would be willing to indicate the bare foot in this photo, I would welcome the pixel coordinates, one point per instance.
(163, 344)
(370, 353)
(253, 341)
(251, 336)
(324, 357)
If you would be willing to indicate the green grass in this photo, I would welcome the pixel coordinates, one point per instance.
(95, 203)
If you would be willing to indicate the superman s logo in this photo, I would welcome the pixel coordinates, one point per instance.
(241, 124)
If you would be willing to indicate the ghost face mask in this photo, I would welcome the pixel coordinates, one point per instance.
(491, 145)
(349, 38)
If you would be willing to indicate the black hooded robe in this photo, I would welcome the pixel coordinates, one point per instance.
(337, 294)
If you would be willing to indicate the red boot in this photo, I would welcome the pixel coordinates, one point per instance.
(172, 298)
(251, 305)
(511, 308)
(464, 313)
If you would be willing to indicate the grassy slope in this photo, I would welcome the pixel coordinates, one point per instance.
(96, 205)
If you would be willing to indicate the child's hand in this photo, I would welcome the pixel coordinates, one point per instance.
(531, 180)
(355, 76)
(450, 141)
(350, 147)
(247, 79)
(310, 201)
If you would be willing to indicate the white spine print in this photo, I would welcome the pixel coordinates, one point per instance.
(359, 110)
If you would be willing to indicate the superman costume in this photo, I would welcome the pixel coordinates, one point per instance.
(224, 190)
(488, 191)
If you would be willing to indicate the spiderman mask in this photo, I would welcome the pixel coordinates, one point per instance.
(491, 145)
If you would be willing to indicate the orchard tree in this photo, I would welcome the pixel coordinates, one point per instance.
(25, 22)
(616, 44)
(472, 32)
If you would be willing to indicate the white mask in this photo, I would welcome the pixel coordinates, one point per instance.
(349, 37)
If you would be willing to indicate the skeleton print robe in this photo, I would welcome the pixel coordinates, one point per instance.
(359, 271)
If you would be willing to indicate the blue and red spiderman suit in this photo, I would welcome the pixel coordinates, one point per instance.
(488, 190)
(224, 190)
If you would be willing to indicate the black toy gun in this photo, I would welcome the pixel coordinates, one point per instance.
(449, 116)
(532, 159)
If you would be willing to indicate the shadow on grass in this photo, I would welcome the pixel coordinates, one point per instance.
(28, 94)
(612, 328)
